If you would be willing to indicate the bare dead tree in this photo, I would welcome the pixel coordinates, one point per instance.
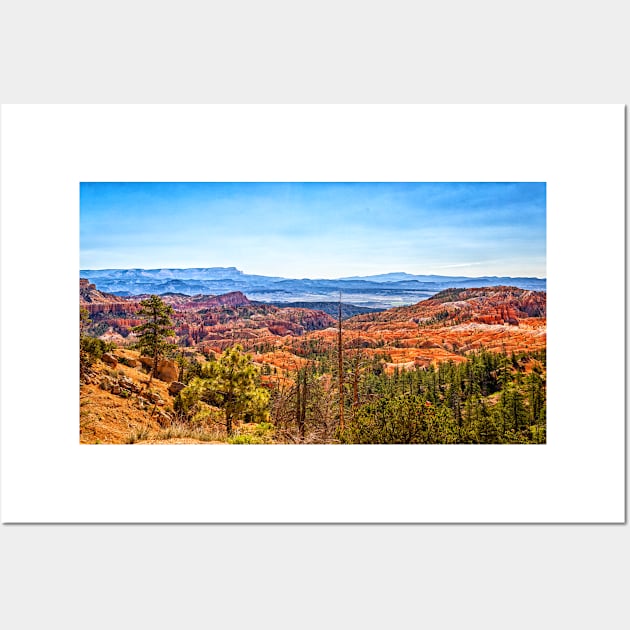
(302, 397)
(340, 355)
(358, 364)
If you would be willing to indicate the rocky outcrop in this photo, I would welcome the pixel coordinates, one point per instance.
(233, 299)
(168, 370)
(124, 387)
(121, 386)
(109, 359)
(155, 398)
(280, 330)
(307, 319)
(175, 387)
(134, 363)
(127, 383)
(95, 301)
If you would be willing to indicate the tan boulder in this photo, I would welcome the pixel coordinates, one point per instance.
(134, 363)
(155, 398)
(109, 359)
(175, 387)
(168, 370)
(125, 381)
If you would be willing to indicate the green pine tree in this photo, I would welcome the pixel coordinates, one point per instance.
(154, 333)
(232, 384)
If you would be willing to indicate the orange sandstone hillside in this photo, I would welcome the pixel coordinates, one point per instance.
(487, 305)
(445, 327)
(207, 322)
(98, 302)
(118, 404)
(449, 325)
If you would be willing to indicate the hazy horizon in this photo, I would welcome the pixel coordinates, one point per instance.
(247, 272)
(317, 230)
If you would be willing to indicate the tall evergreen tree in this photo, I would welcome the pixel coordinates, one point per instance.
(301, 400)
(154, 333)
(84, 320)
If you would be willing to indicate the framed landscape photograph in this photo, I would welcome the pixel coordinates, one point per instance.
(313, 314)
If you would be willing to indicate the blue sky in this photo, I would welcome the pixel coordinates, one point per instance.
(317, 230)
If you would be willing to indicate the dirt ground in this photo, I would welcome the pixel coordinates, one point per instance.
(107, 418)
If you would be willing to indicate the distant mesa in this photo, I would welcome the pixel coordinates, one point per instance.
(235, 299)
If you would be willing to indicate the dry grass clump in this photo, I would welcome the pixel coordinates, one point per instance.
(177, 432)
(201, 433)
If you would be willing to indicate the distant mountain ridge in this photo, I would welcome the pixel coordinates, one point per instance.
(377, 291)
